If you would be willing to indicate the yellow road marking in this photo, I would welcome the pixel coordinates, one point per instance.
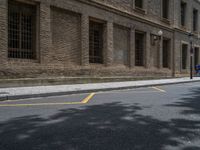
(39, 104)
(84, 101)
(87, 99)
(30, 99)
(159, 89)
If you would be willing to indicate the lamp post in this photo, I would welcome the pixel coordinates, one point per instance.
(160, 34)
(191, 55)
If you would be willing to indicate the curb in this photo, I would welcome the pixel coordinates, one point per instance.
(27, 82)
(16, 97)
(3, 98)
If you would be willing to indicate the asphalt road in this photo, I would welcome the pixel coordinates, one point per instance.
(157, 118)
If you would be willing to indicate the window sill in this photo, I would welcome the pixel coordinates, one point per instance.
(184, 71)
(166, 21)
(140, 10)
(183, 28)
(166, 68)
(23, 60)
(195, 32)
(140, 67)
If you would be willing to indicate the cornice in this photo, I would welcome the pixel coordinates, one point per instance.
(133, 16)
(125, 14)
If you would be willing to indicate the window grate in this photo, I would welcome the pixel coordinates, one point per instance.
(96, 42)
(166, 53)
(21, 31)
(139, 49)
(139, 3)
(195, 19)
(165, 9)
(196, 56)
(183, 13)
(184, 56)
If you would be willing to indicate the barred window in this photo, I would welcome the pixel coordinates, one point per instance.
(184, 56)
(196, 56)
(165, 9)
(139, 3)
(183, 13)
(21, 30)
(96, 42)
(139, 49)
(195, 19)
(166, 53)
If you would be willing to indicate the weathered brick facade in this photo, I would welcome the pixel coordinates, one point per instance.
(62, 39)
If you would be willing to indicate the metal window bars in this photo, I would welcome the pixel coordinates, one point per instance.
(166, 53)
(21, 31)
(96, 42)
(139, 49)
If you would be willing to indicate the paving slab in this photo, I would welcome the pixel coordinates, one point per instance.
(56, 90)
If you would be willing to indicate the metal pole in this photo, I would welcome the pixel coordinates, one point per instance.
(191, 61)
(191, 69)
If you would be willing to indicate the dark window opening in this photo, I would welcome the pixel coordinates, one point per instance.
(139, 3)
(96, 42)
(196, 57)
(183, 13)
(21, 31)
(195, 19)
(184, 56)
(165, 9)
(139, 49)
(166, 53)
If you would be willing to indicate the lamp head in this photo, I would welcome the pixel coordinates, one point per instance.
(190, 36)
(160, 33)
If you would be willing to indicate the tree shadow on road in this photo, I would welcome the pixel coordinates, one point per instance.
(190, 101)
(112, 126)
(190, 105)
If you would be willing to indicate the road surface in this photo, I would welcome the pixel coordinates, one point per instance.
(156, 118)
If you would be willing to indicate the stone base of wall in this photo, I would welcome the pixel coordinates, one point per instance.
(184, 75)
(25, 82)
(90, 71)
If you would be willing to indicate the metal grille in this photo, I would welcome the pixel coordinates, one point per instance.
(183, 12)
(139, 3)
(166, 53)
(139, 49)
(21, 31)
(184, 56)
(165, 9)
(195, 19)
(196, 56)
(96, 42)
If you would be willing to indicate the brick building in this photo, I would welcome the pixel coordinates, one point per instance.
(97, 37)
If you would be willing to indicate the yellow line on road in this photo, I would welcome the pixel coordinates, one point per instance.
(84, 101)
(87, 99)
(159, 89)
(39, 104)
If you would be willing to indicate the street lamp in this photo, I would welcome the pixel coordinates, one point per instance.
(160, 33)
(160, 59)
(191, 55)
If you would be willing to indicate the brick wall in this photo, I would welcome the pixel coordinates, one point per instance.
(63, 39)
(3, 32)
(66, 34)
(121, 45)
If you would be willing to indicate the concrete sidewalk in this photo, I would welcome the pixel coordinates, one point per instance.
(45, 91)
